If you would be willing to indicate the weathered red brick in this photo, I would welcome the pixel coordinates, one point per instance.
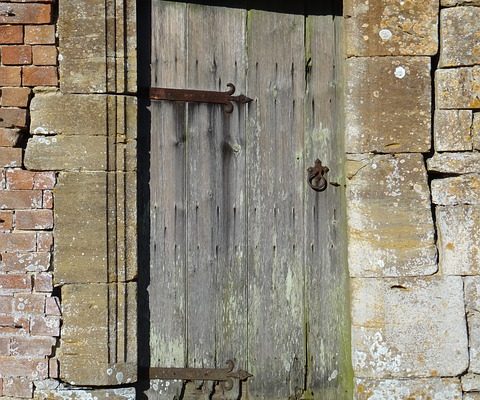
(9, 137)
(6, 221)
(18, 388)
(10, 157)
(39, 76)
(13, 117)
(31, 346)
(6, 304)
(10, 76)
(44, 180)
(25, 262)
(13, 13)
(23, 367)
(44, 241)
(44, 55)
(18, 199)
(20, 179)
(33, 219)
(41, 34)
(15, 283)
(13, 324)
(52, 306)
(29, 303)
(11, 34)
(47, 199)
(15, 97)
(45, 326)
(17, 241)
(4, 346)
(43, 282)
(17, 55)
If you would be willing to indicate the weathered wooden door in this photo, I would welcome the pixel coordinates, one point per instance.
(246, 260)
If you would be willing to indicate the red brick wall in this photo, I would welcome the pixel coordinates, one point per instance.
(29, 313)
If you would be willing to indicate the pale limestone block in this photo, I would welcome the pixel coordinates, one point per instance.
(458, 230)
(464, 189)
(471, 382)
(476, 131)
(96, 326)
(86, 394)
(458, 88)
(95, 227)
(388, 105)
(69, 114)
(459, 36)
(408, 327)
(390, 224)
(472, 305)
(454, 163)
(81, 228)
(393, 389)
(452, 130)
(62, 152)
(471, 396)
(451, 3)
(82, 51)
(389, 27)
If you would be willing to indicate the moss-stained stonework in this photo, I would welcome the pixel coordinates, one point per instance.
(388, 101)
(385, 27)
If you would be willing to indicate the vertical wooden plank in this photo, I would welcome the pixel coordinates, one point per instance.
(168, 208)
(276, 345)
(326, 271)
(216, 302)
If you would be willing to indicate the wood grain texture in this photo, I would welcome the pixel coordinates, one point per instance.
(168, 192)
(325, 263)
(275, 140)
(247, 261)
(216, 279)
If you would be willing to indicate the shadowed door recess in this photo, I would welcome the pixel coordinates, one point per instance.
(246, 261)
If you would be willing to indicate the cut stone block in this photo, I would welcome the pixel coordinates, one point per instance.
(98, 340)
(471, 396)
(476, 131)
(101, 58)
(454, 163)
(85, 394)
(388, 105)
(389, 27)
(390, 225)
(459, 239)
(458, 88)
(408, 327)
(464, 189)
(69, 114)
(472, 305)
(459, 36)
(471, 382)
(452, 130)
(95, 228)
(391, 389)
(451, 3)
(59, 153)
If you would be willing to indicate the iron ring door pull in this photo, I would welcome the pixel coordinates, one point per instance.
(316, 176)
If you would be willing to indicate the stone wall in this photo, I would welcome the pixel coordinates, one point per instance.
(67, 153)
(413, 197)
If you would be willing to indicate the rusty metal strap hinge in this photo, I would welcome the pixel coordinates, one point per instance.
(200, 96)
(225, 376)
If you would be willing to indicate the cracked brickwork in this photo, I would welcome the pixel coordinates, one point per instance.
(30, 313)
